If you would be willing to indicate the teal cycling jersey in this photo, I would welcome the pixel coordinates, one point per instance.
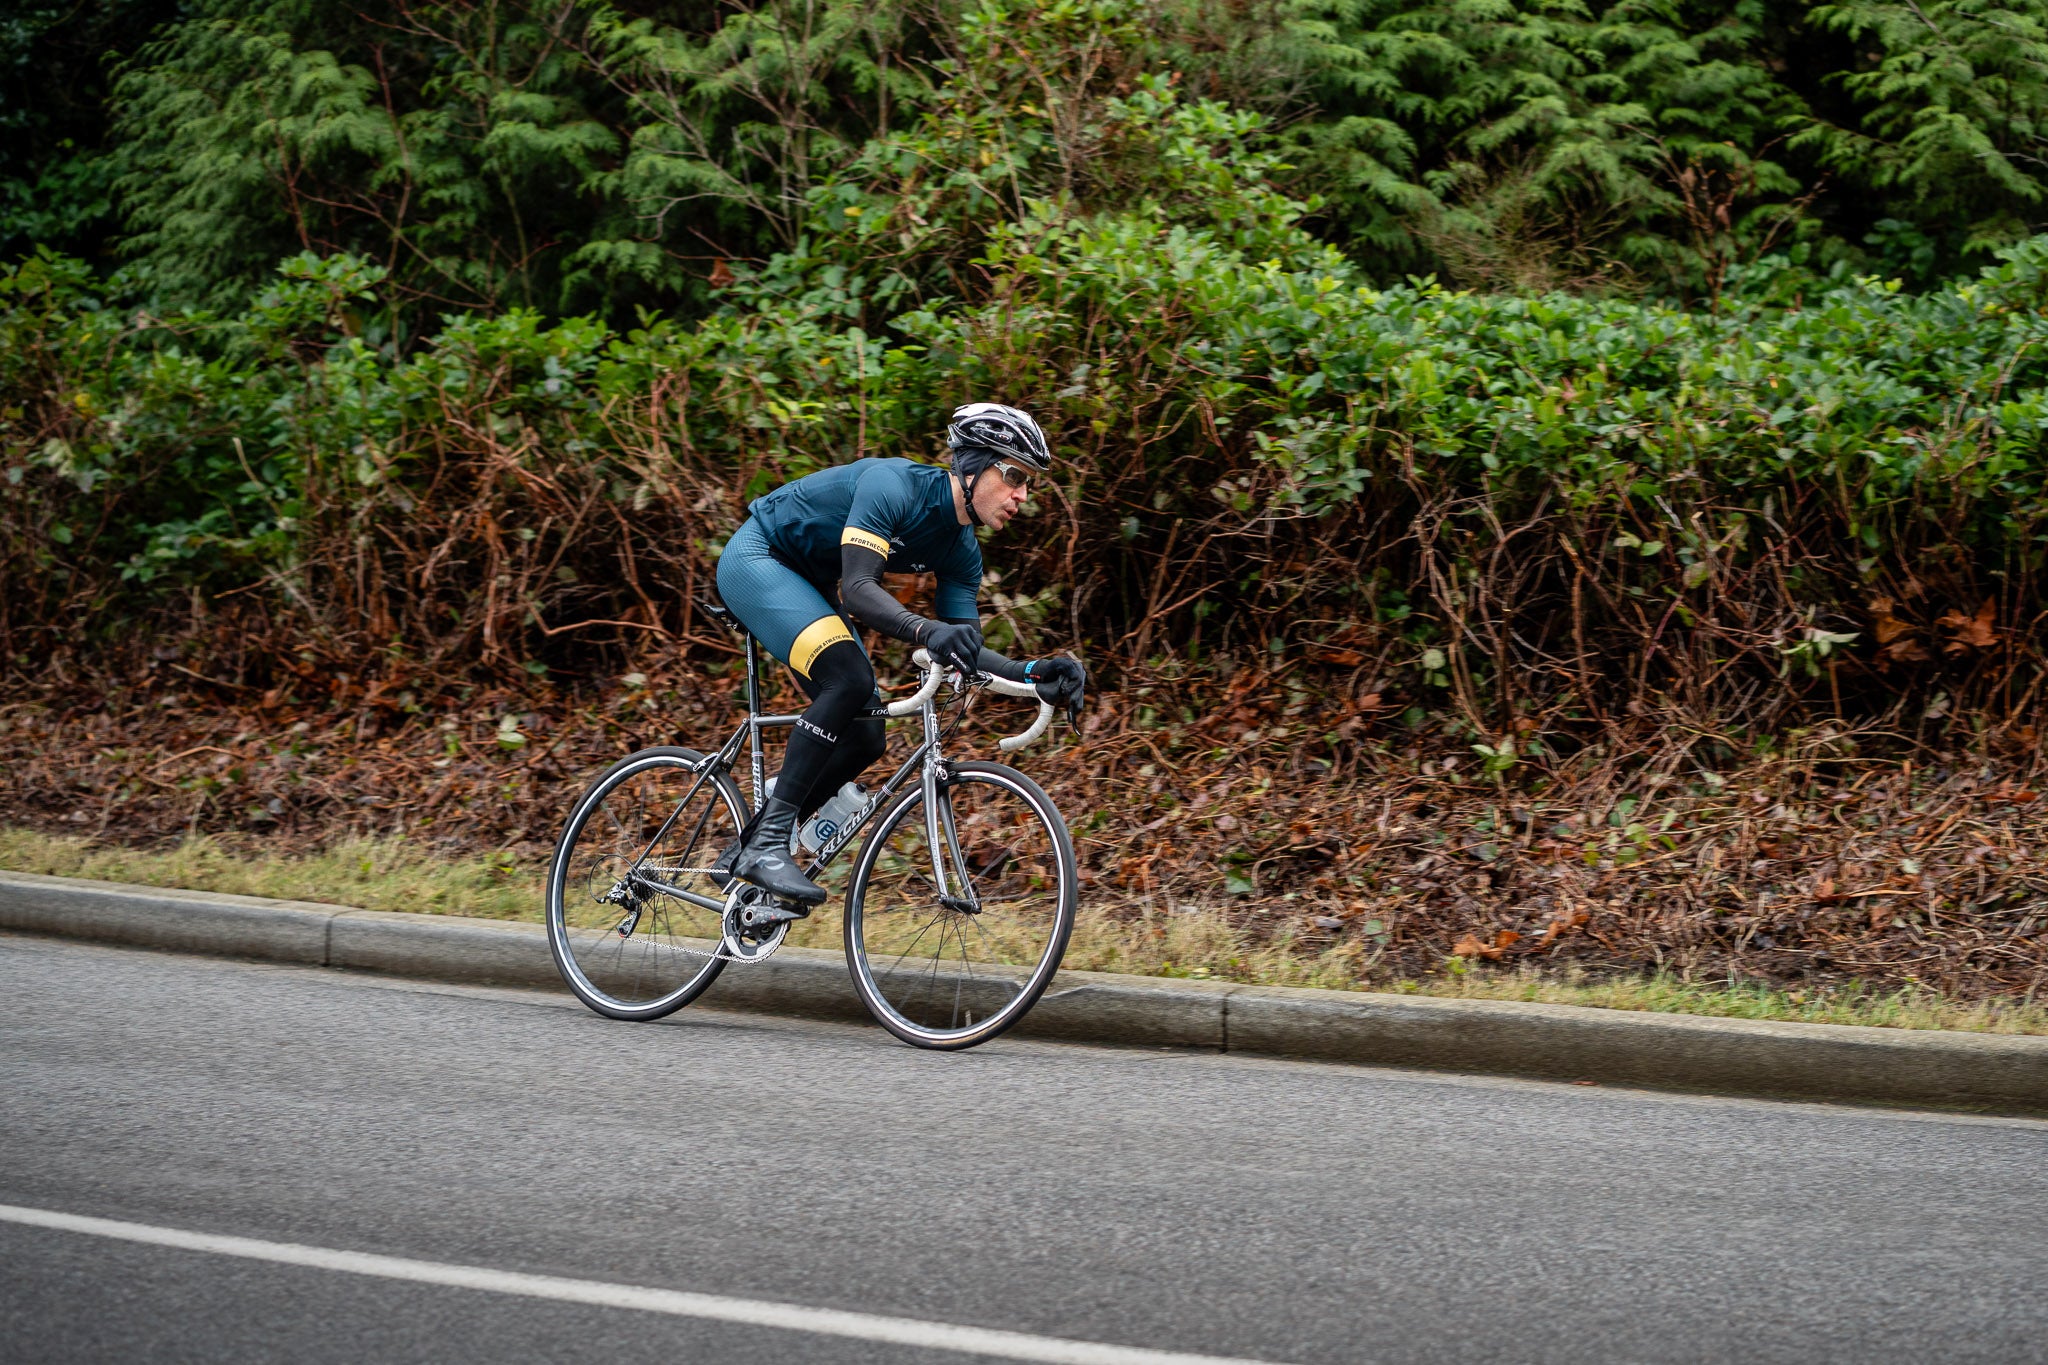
(898, 508)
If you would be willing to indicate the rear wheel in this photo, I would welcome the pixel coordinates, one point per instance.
(634, 921)
(952, 968)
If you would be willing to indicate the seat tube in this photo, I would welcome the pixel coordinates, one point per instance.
(757, 765)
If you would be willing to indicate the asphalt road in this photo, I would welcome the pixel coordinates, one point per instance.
(1266, 1210)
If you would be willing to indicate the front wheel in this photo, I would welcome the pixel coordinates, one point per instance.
(634, 920)
(957, 917)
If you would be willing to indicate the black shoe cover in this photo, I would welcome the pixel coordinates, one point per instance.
(772, 871)
(764, 861)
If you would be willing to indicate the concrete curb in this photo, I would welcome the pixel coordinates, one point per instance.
(1563, 1042)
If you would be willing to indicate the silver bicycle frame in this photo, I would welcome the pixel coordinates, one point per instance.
(926, 761)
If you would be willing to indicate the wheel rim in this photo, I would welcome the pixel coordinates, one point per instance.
(941, 974)
(626, 944)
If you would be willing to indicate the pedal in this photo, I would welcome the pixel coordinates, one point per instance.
(772, 913)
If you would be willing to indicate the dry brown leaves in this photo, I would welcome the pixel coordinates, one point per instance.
(1897, 639)
(1313, 817)
(1970, 632)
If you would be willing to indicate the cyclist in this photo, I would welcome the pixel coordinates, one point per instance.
(809, 560)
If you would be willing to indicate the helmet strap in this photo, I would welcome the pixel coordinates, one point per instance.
(967, 495)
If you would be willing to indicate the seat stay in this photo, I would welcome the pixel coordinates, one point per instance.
(666, 825)
(724, 754)
(703, 768)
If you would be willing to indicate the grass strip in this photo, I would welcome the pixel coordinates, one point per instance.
(391, 874)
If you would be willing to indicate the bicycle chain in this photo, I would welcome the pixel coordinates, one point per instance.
(721, 954)
(667, 945)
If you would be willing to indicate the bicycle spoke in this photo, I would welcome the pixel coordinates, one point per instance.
(945, 976)
(937, 915)
(650, 816)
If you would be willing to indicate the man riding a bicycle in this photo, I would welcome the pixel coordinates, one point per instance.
(808, 563)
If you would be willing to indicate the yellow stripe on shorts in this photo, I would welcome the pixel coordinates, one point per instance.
(813, 640)
(867, 540)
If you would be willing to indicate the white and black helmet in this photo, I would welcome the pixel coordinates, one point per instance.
(1008, 432)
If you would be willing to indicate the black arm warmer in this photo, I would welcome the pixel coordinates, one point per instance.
(860, 588)
(1000, 665)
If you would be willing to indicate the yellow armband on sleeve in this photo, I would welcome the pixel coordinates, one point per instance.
(867, 540)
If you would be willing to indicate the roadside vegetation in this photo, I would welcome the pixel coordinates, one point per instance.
(1555, 490)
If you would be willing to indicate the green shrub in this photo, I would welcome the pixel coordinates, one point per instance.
(1823, 492)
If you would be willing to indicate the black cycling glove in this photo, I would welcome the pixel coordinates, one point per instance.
(954, 645)
(1060, 681)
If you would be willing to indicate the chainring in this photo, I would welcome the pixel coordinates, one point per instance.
(741, 944)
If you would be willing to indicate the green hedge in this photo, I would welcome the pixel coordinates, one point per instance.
(1235, 405)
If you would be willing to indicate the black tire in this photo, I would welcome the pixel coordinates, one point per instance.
(948, 978)
(627, 950)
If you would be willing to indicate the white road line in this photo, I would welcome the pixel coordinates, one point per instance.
(831, 1322)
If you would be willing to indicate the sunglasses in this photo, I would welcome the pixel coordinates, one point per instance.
(1012, 475)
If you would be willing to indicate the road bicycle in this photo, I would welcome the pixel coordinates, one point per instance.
(956, 912)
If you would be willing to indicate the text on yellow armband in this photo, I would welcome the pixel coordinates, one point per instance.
(867, 540)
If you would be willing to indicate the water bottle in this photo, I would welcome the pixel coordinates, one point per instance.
(840, 811)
